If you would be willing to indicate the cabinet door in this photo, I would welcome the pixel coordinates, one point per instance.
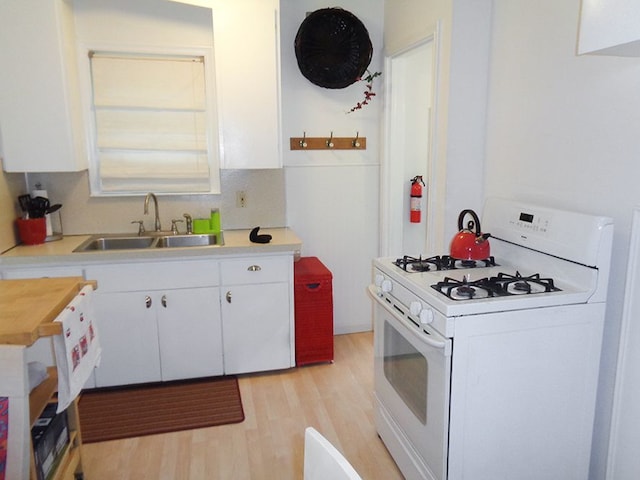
(189, 333)
(129, 338)
(40, 113)
(256, 328)
(610, 27)
(246, 40)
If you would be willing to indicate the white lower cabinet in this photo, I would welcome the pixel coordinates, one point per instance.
(257, 314)
(128, 333)
(185, 318)
(157, 321)
(189, 333)
(256, 331)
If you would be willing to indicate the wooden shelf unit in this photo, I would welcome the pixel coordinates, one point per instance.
(70, 462)
(22, 322)
(42, 395)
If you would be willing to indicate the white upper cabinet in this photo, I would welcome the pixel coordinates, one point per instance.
(247, 50)
(41, 114)
(610, 27)
(246, 43)
(41, 126)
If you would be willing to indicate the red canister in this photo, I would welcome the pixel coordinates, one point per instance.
(32, 231)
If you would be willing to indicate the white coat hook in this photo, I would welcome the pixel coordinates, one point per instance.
(356, 142)
(330, 141)
(303, 142)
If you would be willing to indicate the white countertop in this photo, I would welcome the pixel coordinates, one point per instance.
(236, 242)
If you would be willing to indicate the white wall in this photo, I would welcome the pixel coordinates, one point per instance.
(332, 200)
(563, 130)
(10, 184)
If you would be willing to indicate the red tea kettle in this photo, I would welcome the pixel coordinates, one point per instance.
(467, 244)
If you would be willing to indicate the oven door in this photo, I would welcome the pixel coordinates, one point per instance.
(412, 372)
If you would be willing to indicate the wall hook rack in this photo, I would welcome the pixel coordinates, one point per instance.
(328, 143)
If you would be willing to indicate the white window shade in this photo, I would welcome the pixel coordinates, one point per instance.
(151, 82)
(151, 129)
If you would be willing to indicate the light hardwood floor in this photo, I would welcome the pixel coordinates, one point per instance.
(334, 398)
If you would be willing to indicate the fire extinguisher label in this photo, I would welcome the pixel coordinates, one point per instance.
(414, 211)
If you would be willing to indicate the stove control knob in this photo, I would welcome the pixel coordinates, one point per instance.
(415, 307)
(378, 279)
(426, 316)
(386, 286)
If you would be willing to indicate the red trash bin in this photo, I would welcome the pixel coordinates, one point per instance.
(313, 295)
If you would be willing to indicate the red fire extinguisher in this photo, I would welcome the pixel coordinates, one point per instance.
(416, 197)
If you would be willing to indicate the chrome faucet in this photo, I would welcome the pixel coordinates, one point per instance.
(189, 223)
(155, 205)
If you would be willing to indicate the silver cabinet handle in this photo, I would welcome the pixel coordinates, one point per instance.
(163, 300)
(228, 297)
(147, 301)
(254, 268)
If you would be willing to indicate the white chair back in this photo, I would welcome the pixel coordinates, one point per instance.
(322, 461)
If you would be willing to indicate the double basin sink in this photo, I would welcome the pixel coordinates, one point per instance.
(98, 243)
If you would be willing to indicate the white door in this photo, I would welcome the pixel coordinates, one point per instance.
(256, 328)
(189, 333)
(409, 87)
(129, 338)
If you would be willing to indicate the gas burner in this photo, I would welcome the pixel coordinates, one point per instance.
(440, 262)
(406, 262)
(464, 289)
(419, 264)
(519, 285)
(457, 263)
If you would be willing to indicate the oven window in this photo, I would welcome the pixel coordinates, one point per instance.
(407, 371)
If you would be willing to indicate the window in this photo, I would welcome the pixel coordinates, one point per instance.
(153, 126)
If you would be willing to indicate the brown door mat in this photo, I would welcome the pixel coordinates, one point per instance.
(112, 413)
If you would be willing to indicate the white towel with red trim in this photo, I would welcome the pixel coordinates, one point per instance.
(78, 348)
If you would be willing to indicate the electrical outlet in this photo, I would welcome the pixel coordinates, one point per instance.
(241, 199)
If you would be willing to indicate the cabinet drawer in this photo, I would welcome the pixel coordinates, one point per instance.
(256, 270)
(42, 272)
(154, 276)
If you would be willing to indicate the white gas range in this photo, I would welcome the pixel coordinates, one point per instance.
(489, 369)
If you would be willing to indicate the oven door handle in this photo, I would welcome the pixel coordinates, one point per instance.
(440, 344)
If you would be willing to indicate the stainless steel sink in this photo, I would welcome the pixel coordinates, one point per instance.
(196, 240)
(123, 242)
(99, 243)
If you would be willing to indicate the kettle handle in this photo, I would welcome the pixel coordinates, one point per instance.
(463, 213)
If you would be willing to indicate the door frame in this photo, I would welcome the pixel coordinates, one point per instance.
(393, 185)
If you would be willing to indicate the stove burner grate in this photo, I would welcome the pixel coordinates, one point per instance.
(501, 285)
(466, 290)
(521, 285)
(440, 262)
